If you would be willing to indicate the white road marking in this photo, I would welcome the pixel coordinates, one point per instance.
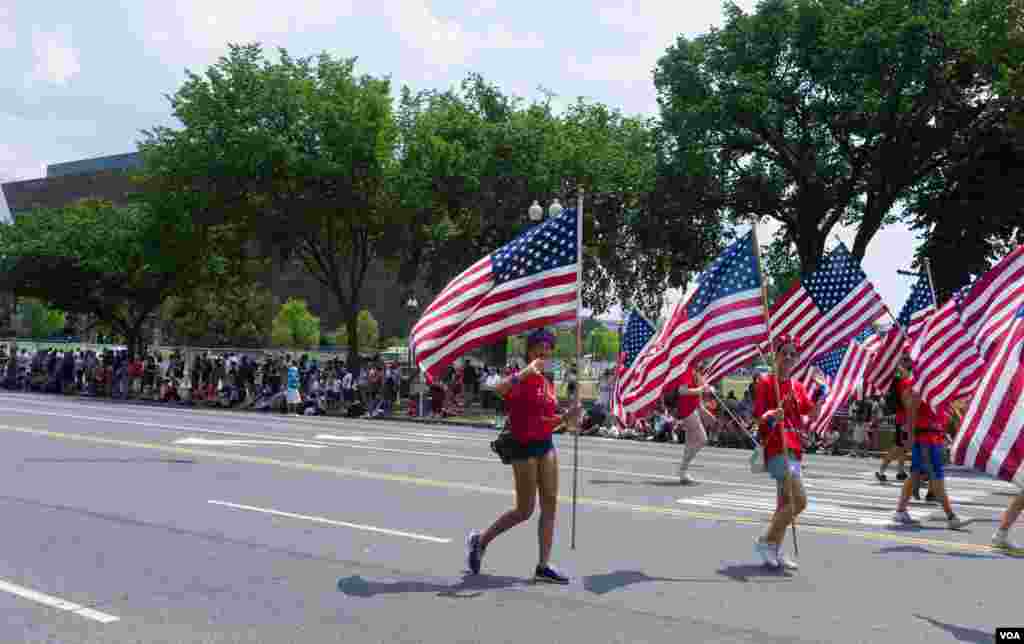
(56, 602)
(344, 524)
(364, 439)
(241, 443)
(815, 510)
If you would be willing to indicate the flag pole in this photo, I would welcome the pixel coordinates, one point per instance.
(778, 388)
(931, 282)
(579, 357)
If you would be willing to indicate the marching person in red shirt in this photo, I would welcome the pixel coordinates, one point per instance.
(688, 413)
(532, 407)
(926, 430)
(778, 429)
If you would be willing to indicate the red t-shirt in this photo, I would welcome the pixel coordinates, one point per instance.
(687, 403)
(928, 425)
(765, 400)
(532, 409)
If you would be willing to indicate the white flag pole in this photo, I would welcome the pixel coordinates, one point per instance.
(579, 357)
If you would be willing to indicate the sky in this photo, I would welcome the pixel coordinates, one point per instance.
(84, 79)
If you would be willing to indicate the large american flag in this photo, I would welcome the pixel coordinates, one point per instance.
(991, 438)
(725, 313)
(844, 386)
(638, 332)
(885, 351)
(825, 310)
(529, 282)
(962, 336)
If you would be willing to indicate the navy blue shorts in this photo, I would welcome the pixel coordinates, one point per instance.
(927, 459)
(533, 449)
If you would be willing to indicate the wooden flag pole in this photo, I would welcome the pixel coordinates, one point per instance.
(778, 389)
(577, 415)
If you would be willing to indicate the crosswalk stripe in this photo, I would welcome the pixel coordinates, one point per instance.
(815, 510)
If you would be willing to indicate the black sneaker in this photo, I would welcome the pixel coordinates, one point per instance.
(902, 476)
(475, 554)
(931, 498)
(549, 575)
(881, 477)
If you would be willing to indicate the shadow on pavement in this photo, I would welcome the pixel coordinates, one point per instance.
(745, 573)
(961, 633)
(609, 581)
(471, 586)
(891, 550)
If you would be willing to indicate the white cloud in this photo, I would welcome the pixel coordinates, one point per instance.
(483, 6)
(8, 39)
(56, 60)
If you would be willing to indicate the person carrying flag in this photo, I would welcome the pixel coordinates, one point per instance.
(924, 426)
(778, 423)
(688, 413)
(532, 407)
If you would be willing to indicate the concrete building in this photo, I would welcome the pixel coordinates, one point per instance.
(109, 178)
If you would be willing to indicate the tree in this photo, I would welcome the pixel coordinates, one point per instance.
(295, 327)
(781, 267)
(368, 331)
(602, 343)
(824, 112)
(299, 153)
(117, 264)
(474, 160)
(983, 185)
(42, 321)
(388, 343)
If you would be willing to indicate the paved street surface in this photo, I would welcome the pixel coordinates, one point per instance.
(130, 523)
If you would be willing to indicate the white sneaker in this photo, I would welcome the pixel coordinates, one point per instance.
(785, 561)
(686, 479)
(904, 518)
(955, 523)
(1002, 541)
(768, 552)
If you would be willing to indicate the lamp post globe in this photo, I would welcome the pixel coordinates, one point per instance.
(555, 209)
(535, 212)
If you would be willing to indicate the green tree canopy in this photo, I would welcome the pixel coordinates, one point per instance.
(298, 152)
(367, 328)
(295, 327)
(117, 264)
(817, 113)
(41, 320)
(602, 343)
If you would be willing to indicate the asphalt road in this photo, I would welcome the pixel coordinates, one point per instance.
(130, 523)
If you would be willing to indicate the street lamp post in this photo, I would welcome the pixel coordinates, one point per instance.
(413, 305)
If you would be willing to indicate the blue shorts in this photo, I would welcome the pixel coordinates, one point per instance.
(777, 468)
(532, 449)
(927, 459)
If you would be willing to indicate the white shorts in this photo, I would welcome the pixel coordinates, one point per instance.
(293, 397)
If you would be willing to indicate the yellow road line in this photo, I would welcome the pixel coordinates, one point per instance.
(455, 485)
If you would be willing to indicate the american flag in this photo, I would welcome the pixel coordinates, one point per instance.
(847, 380)
(962, 336)
(825, 310)
(528, 283)
(828, 365)
(919, 307)
(725, 313)
(638, 332)
(885, 351)
(991, 438)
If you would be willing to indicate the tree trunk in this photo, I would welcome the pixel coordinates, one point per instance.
(810, 244)
(352, 326)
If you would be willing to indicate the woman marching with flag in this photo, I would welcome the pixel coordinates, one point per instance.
(688, 413)
(778, 423)
(532, 417)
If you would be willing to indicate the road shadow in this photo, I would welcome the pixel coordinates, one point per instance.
(892, 550)
(961, 633)
(745, 573)
(609, 581)
(471, 586)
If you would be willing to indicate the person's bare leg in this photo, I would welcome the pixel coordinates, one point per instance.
(525, 473)
(547, 488)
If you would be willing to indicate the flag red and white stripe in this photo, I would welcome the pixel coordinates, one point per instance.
(885, 351)
(991, 438)
(960, 338)
(844, 386)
